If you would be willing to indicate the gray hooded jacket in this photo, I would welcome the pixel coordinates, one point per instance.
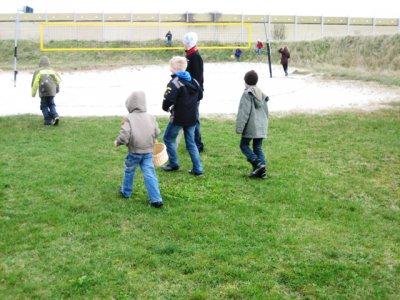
(139, 129)
(252, 116)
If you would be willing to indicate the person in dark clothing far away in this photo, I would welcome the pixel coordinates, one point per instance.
(285, 55)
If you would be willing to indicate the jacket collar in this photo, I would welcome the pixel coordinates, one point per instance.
(191, 50)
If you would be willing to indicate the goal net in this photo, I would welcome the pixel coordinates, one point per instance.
(107, 36)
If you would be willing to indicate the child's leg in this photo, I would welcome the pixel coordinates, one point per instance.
(131, 162)
(44, 107)
(170, 135)
(246, 150)
(192, 149)
(150, 178)
(52, 107)
(257, 148)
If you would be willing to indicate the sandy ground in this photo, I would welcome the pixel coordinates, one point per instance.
(103, 93)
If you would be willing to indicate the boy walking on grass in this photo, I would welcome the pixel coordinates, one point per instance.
(138, 132)
(180, 99)
(252, 124)
(47, 81)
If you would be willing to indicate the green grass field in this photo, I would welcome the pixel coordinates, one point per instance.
(324, 226)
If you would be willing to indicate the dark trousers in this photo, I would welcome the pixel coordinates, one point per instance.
(48, 108)
(255, 153)
(285, 67)
(197, 132)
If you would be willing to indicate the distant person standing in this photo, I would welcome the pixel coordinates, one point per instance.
(238, 53)
(47, 81)
(259, 46)
(285, 55)
(196, 69)
(168, 38)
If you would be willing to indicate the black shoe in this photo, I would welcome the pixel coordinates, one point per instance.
(168, 168)
(156, 204)
(264, 175)
(56, 120)
(191, 172)
(121, 193)
(258, 168)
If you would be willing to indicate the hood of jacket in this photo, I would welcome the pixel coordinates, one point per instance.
(136, 102)
(191, 85)
(257, 93)
(44, 62)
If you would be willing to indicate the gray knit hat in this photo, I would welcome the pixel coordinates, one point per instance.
(251, 78)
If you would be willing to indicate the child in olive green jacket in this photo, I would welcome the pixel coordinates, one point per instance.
(47, 81)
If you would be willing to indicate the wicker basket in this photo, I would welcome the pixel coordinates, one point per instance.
(160, 155)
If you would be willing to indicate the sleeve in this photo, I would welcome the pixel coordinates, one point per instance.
(57, 78)
(196, 69)
(35, 83)
(265, 107)
(170, 95)
(243, 114)
(124, 133)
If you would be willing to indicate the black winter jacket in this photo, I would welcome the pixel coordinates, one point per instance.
(181, 99)
(195, 66)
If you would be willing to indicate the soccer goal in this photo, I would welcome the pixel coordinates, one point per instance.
(121, 36)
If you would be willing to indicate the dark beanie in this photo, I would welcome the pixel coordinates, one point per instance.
(251, 77)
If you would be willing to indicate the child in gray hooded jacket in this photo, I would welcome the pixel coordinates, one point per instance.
(252, 124)
(138, 132)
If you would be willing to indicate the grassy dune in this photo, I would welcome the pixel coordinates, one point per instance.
(365, 58)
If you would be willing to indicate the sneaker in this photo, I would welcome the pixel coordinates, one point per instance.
(258, 171)
(56, 120)
(191, 172)
(169, 168)
(156, 204)
(264, 175)
(121, 193)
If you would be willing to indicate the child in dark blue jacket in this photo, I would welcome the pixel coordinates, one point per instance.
(180, 98)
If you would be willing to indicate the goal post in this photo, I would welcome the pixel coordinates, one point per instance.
(124, 36)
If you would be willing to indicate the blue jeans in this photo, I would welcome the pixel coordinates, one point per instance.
(48, 108)
(256, 153)
(197, 132)
(170, 135)
(145, 160)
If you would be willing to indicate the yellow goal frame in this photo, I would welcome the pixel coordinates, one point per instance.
(142, 24)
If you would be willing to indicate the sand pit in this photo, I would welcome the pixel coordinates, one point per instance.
(103, 93)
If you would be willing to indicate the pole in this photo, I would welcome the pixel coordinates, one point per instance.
(16, 47)
(268, 49)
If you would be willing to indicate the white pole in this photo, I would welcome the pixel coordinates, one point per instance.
(269, 25)
(295, 27)
(16, 47)
(241, 33)
(322, 26)
(374, 26)
(348, 25)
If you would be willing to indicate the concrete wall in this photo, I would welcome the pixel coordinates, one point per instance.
(296, 27)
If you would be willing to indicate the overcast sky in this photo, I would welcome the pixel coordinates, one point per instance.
(352, 8)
